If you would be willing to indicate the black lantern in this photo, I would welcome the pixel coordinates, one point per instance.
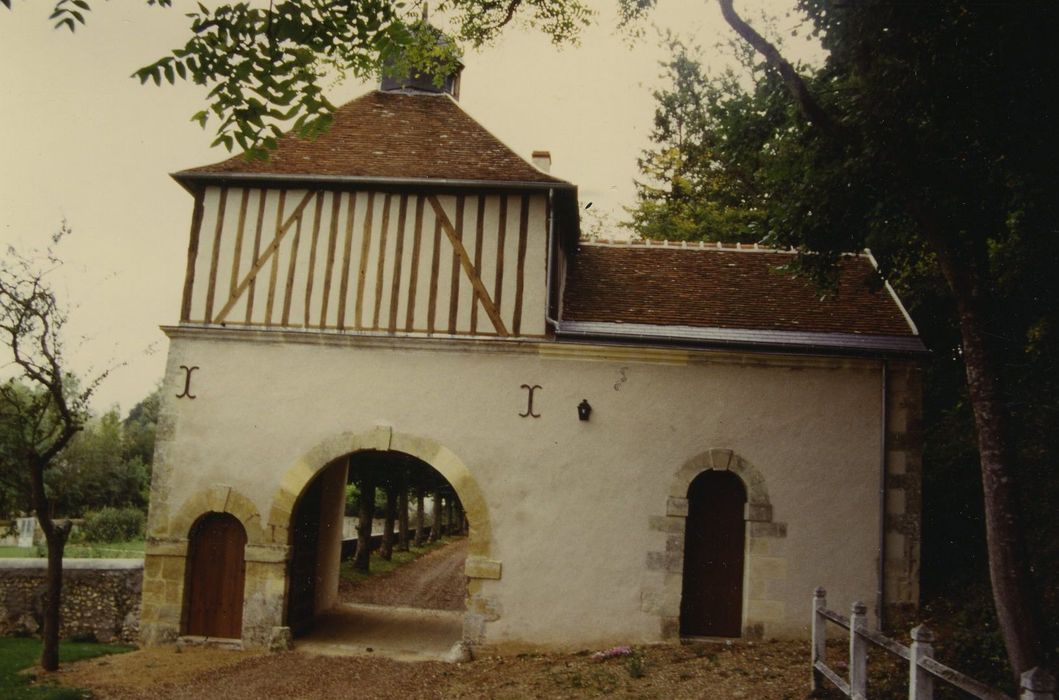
(584, 410)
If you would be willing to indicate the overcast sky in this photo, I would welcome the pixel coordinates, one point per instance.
(84, 142)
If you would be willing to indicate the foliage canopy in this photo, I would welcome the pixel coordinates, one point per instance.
(926, 136)
(266, 66)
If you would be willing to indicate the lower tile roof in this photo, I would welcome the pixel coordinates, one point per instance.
(728, 295)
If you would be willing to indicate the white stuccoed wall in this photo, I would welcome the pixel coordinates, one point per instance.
(574, 507)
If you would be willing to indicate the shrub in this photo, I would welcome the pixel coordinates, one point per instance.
(635, 666)
(114, 525)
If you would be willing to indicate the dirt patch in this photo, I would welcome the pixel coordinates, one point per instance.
(434, 581)
(711, 671)
(770, 671)
(148, 670)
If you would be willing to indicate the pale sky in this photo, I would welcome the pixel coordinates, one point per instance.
(84, 142)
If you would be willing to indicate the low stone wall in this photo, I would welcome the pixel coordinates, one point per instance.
(100, 598)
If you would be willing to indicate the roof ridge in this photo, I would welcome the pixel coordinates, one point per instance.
(647, 243)
(705, 245)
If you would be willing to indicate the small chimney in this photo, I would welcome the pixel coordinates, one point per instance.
(542, 160)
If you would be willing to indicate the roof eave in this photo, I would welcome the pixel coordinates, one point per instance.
(191, 179)
(745, 339)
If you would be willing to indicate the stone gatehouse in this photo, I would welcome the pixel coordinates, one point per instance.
(407, 287)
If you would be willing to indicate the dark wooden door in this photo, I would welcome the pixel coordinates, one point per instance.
(711, 604)
(216, 573)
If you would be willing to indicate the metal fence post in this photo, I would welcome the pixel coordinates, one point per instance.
(858, 652)
(920, 683)
(819, 631)
(1037, 684)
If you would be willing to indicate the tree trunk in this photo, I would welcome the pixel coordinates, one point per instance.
(386, 550)
(435, 518)
(964, 270)
(365, 515)
(420, 516)
(402, 515)
(55, 536)
(1009, 569)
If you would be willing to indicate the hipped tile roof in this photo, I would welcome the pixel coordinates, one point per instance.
(724, 288)
(393, 135)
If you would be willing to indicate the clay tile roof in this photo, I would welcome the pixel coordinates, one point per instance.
(392, 135)
(711, 287)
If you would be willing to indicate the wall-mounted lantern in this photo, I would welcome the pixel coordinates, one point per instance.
(584, 410)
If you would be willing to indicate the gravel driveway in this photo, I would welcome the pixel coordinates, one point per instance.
(706, 671)
(710, 671)
(434, 580)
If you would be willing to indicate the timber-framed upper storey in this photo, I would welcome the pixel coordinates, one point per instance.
(408, 218)
(369, 260)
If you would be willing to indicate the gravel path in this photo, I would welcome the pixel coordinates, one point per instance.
(703, 671)
(434, 581)
(754, 671)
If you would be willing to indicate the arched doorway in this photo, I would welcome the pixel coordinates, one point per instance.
(359, 508)
(711, 603)
(215, 576)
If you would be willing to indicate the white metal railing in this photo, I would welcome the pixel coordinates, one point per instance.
(923, 669)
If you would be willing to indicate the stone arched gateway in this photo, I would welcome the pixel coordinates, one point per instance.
(479, 564)
(268, 546)
(764, 561)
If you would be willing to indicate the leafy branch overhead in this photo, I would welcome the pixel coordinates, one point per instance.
(266, 67)
(70, 13)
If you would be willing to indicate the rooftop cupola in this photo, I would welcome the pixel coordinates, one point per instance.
(428, 46)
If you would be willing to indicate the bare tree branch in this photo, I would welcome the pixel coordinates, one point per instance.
(43, 408)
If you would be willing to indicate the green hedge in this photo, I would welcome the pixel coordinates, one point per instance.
(114, 525)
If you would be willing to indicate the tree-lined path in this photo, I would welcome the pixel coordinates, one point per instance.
(434, 581)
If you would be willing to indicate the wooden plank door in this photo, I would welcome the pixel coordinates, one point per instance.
(712, 601)
(217, 571)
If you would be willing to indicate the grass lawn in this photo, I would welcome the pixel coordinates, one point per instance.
(99, 550)
(379, 565)
(18, 653)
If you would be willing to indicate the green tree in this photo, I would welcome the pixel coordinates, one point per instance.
(79, 477)
(692, 187)
(99, 469)
(15, 493)
(42, 405)
(139, 429)
(925, 138)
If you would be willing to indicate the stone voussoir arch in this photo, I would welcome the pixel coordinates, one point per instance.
(219, 498)
(382, 438)
(759, 507)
